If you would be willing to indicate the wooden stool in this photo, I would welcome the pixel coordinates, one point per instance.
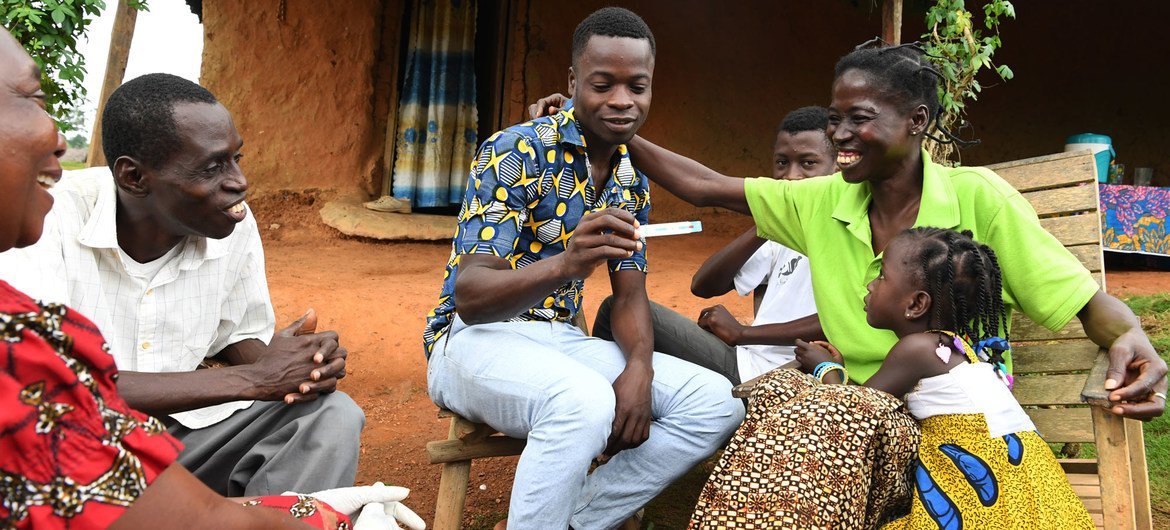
(466, 441)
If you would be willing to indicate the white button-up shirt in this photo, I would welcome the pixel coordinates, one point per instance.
(204, 296)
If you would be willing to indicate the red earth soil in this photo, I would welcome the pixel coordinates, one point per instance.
(375, 295)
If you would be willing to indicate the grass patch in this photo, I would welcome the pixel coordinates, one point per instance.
(73, 165)
(1155, 314)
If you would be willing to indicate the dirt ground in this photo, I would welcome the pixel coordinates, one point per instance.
(375, 295)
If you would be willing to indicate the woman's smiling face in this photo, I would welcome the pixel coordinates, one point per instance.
(872, 134)
(29, 148)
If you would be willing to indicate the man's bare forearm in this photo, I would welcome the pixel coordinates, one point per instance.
(717, 275)
(631, 323)
(159, 394)
(481, 279)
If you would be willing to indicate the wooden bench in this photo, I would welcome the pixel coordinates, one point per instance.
(467, 440)
(1058, 375)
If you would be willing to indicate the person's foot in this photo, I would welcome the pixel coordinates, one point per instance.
(387, 203)
(502, 525)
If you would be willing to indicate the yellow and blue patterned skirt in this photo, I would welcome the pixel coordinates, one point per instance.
(966, 479)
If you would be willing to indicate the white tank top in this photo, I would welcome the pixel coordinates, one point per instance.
(970, 388)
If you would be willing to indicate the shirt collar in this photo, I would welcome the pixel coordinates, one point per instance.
(101, 229)
(938, 207)
(568, 129)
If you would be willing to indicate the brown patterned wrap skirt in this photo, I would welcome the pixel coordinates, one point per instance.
(812, 456)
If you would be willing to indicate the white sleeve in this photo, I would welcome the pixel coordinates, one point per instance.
(756, 269)
(39, 270)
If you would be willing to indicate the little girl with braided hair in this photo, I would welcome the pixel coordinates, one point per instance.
(980, 462)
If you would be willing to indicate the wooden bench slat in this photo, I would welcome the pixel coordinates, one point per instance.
(1060, 169)
(444, 451)
(1024, 329)
(1082, 229)
(1063, 425)
(1049, 389)
(1089, 256)
(1064, 356)
(1063, 201)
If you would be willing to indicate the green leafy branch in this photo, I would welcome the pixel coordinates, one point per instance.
(49, 30)
(960, 50)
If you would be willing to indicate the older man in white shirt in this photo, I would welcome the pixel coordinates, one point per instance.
(162, 253)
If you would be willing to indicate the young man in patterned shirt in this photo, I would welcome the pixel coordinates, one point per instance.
(547, 202)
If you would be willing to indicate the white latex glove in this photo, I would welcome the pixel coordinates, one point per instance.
(351, 500)
(388, 516)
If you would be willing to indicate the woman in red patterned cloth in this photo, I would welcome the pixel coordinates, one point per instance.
(72, 453)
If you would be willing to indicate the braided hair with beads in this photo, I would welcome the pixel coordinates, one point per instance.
(963, 280)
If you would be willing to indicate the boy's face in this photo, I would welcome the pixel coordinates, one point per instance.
(610, 85)
(802, 155)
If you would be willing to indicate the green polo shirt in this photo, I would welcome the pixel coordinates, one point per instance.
(827, 219)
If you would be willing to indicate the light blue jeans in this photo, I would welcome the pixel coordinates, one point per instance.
(550, 383)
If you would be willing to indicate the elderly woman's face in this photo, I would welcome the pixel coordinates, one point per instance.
(29, 148)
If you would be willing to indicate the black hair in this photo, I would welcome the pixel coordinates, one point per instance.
(908, 78)
(611, 22)
(805, 119)
(965, 285)
(139, 119)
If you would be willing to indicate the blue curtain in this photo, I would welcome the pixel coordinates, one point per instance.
(435, 141)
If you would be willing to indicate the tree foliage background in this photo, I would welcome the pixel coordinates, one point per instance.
(50, 30)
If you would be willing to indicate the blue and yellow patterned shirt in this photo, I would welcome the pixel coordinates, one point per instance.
(528, 189)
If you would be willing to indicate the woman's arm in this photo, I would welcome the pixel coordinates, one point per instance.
(691, 181)
(178, 500)
(1135, 370)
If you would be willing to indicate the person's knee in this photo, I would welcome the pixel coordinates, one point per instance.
(342, 414)
(586, 406)
(716, 406)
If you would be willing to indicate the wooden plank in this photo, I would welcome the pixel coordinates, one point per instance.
(1063, 201)
(1141, 477)
(892, 21)
(1060, 169)
(1093, 392)
(452, 494)
(1084, 229)
(1063, 424)
(1080, 470)
(1049, 389)
(1024, 329)
(1067, 356)
(444, 451)
(121, 36)
(1116, 480)
(1089, 256)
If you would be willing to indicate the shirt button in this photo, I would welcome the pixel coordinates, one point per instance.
(146, 345)
(149, 292)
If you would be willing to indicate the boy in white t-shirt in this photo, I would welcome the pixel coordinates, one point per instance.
(786, 311)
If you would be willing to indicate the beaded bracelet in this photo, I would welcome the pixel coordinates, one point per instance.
(828, 366)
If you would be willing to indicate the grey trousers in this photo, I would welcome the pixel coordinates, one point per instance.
(270, 447)
(680, 337)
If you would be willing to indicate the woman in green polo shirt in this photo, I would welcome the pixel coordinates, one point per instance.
(884, 102)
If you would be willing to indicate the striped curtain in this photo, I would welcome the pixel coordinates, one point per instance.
(435, 141)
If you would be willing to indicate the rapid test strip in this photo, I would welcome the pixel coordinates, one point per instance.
(671, 229)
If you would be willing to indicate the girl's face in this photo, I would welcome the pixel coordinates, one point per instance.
(871, 133)
(29, 148)
(891, 294)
